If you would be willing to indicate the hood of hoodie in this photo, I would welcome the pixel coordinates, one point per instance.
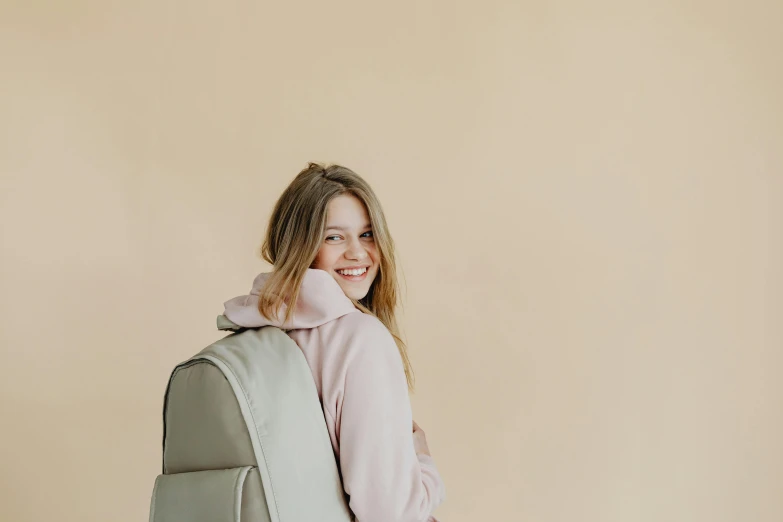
(320, 300)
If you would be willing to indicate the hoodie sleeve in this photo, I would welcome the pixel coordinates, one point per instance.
(384, 477)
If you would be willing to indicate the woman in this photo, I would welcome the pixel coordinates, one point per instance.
(334, 289)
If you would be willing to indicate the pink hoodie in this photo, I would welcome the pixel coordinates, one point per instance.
(361, 384)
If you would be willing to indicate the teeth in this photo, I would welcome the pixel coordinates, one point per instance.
(358, 271)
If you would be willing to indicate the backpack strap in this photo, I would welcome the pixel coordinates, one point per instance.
(224, 323)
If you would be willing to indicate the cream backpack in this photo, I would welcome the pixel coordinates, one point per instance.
(244, 436)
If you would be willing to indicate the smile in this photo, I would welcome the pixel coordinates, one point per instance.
(351, 277)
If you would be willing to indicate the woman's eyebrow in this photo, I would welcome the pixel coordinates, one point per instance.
(335, 227)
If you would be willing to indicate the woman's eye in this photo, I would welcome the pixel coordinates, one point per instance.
(336, 238)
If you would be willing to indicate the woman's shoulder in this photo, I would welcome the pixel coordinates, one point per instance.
(361, 335)
(367, 345)
(361, 325)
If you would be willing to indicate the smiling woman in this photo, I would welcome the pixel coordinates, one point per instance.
(321, 221)
(333, 289)
(350, 254)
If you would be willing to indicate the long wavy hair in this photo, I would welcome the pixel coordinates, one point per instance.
(294, 236)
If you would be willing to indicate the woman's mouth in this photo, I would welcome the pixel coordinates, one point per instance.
(352, 276)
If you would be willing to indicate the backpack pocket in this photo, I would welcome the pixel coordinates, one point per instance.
(221, 495)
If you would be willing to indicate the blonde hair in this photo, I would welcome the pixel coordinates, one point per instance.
(294, 236)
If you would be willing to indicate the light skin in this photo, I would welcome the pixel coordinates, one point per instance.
(420, 441)
(348, 242)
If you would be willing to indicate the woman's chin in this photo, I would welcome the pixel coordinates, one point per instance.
(353, 294)
(351, 291)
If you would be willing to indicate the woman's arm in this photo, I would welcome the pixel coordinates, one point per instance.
(385, 478)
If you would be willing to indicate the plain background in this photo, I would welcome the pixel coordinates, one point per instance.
(587, 198)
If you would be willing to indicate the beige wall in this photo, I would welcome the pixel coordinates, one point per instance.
(587, 199)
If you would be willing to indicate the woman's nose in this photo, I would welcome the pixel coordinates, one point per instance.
(356, 251)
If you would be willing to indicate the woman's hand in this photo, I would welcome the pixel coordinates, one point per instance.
(420, 441)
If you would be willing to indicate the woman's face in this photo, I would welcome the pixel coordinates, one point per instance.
(348, 243)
